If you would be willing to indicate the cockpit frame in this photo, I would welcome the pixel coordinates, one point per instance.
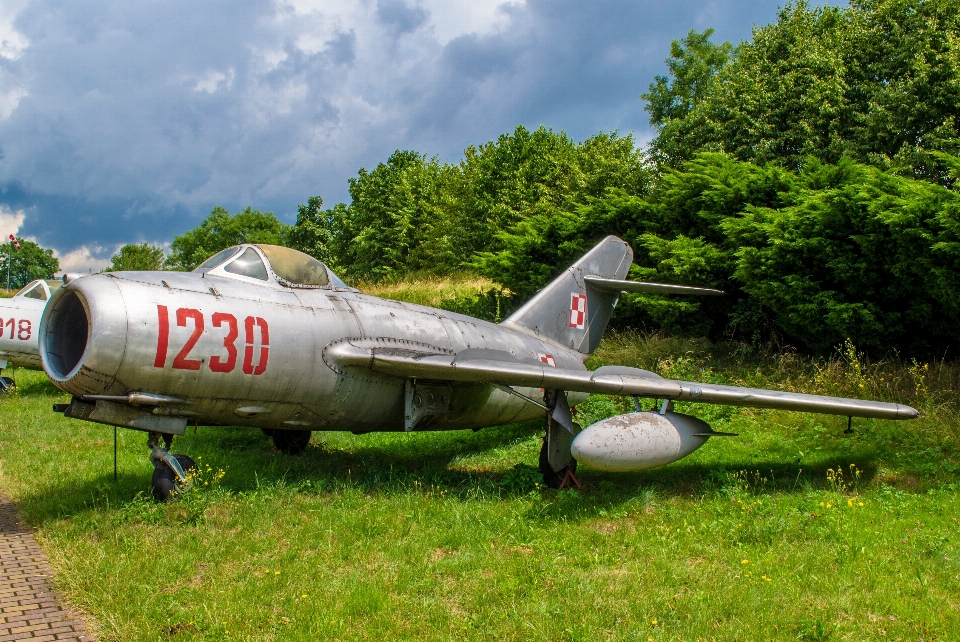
(333, 282)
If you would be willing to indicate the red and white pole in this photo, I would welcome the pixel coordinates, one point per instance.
(14, 245)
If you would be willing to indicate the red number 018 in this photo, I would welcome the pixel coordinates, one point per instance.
(21, 330)
(217, 363)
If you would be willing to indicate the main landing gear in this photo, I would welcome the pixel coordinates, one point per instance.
(556, 463)
(169, 471)
(290, 442)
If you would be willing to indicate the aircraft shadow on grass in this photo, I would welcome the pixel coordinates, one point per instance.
(393, 468)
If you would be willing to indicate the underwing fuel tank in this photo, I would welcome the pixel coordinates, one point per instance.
(639, 440)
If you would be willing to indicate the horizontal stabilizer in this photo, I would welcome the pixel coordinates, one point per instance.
(613, 286)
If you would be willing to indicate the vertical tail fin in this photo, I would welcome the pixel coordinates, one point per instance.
(567, 310)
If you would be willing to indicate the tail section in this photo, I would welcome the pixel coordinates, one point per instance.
(569, 310)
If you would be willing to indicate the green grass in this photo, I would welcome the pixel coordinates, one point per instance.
(439, 536)
(429, 290)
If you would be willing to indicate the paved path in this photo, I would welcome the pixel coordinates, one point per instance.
(29, 607)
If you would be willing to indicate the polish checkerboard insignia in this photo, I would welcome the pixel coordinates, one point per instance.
(548, 359)
(578, 310)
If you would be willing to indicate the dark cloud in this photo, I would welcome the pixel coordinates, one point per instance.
(135, 119)
(401, 17)
(342, 48)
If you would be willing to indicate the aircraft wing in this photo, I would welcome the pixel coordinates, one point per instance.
(496, 367)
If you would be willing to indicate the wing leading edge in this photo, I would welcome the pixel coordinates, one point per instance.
(498, 368)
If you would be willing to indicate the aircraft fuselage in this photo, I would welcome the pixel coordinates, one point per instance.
(230, 351)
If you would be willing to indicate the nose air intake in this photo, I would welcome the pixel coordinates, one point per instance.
(65, 335)
(83, 337)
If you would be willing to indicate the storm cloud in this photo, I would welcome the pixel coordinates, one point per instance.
(122, 122)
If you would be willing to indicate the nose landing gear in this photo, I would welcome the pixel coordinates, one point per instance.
(169, 471)
(6, 383)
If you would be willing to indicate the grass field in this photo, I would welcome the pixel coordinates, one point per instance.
(427, 289)
(792, 531)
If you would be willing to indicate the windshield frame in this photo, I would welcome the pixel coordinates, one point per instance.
(220, 270)
(30, 287)
(237, 249)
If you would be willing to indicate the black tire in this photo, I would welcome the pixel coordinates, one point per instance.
(164, 481)
(7, 384)
(291, 442)
(551, 478)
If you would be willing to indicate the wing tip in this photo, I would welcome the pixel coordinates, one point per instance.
(907, 412)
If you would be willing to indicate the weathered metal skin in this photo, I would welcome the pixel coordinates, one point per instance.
(639, 440)
(19, 324)
(116, 354)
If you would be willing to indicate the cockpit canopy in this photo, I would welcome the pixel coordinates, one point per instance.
(289, 267)
(36, 289)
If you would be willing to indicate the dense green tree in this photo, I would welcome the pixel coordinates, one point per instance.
(27, 264)
(389, 218)
(415, 213)
(878, 82)
(220, 230)
(528, 197)
(860, 253)
(539, 174)
(312, 232)
(835, 251)
(137, 257)
(692, 64)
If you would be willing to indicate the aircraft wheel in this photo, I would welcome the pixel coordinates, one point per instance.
(165, 482)
(291, 442)
(552, 478)
(6, 384)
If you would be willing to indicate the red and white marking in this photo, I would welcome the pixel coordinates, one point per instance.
(578, 310)
(548, 359)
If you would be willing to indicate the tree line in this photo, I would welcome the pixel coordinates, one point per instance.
(811, 172)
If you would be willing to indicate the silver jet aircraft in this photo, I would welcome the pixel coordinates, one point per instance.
(268, 337)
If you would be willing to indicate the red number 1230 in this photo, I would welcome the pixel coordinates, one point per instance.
(218, 363)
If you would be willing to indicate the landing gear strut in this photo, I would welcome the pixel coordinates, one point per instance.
(556, 462)
(169, 471)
